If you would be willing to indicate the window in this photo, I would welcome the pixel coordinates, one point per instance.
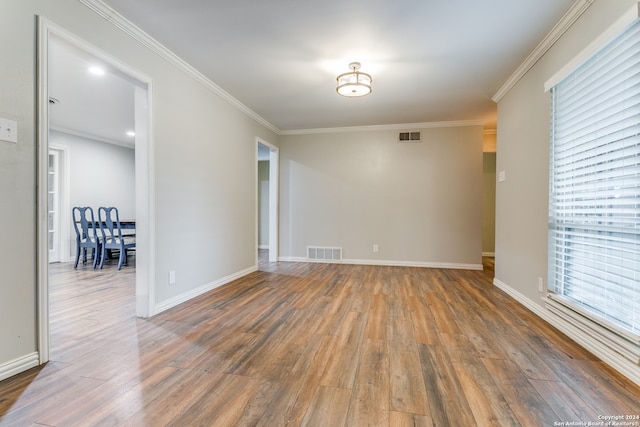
(594, 206)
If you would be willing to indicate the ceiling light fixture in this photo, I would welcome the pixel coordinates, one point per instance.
(98, 71)
(131, 133)
(354, 83)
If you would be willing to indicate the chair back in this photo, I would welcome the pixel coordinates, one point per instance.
(84, 224)
(110, 225)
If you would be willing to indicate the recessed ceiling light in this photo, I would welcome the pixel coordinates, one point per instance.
(131, 133)
(98, 71)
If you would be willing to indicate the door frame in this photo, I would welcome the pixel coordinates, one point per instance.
(145, 171)
(274, 174)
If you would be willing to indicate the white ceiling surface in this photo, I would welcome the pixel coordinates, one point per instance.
(431, 60)
(91, 106)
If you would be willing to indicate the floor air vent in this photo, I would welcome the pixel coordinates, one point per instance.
(316, 253)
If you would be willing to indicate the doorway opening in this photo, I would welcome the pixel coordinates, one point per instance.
(267, 200)
(62, 138)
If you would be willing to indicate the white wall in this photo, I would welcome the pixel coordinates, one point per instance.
(99, 174)
(203, 153)
(523, 154)
(420, 202)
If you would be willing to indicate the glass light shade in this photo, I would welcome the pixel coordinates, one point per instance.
(354, 83)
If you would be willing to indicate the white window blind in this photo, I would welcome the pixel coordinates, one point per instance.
(594, 207)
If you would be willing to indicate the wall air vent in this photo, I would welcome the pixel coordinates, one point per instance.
(317, 253)
(409, 137)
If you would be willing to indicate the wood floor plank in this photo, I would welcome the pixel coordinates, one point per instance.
(407, 388)
(309, 344)
(403, 419)
(370, 400)
(328, 407)
(290, 408)
(564, 401)
(524, 400)
(342, 367)
(424, 324)
(378, 323)
(442, 384)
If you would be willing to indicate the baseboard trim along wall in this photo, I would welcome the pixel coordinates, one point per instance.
(179, 299)
(387, 263)
(18, 365)
(616, 361)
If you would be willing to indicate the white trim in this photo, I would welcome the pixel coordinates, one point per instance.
(576, 10)
(42, 248)
(399, 126)
(607, 35)
(629, 348)
(92, 137)
(138, 34)
(274, 203)
(387, 263)
(21, 364)
(186, 296)
(586, 340)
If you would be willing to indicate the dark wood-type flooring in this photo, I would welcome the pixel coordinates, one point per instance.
(310, 344)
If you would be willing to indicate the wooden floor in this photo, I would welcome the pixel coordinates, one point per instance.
(310, 344)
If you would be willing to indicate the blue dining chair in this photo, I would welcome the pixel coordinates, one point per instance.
(112, 237)
(86, 235)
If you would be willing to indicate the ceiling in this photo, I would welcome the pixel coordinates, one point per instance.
(99, 107)
(431, 60)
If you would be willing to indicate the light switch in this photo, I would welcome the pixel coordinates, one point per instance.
(501, 176)
(8, 130)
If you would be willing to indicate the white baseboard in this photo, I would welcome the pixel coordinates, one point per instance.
(619, 363)
(18, 365)
(179, 299)
(387, 263)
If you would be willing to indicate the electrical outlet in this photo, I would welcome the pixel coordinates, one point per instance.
(540, 284)
(8, 130)
(172, 277)
(376, 248)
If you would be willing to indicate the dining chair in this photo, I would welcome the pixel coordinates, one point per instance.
(112, 237)
(86, 235)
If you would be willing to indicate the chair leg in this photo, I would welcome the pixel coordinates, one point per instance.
(77, 257)
(121, 258)
(96, 255)
(102, 256)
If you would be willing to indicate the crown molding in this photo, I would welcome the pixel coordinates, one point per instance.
(119, 21)
(576, 10)
(399, 126)
(126, 144)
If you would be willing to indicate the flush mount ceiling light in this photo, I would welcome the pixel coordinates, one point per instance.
(354, 83)
(98, 71)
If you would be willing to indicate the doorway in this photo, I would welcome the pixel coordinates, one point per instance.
(267, 192)
(140, 87)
